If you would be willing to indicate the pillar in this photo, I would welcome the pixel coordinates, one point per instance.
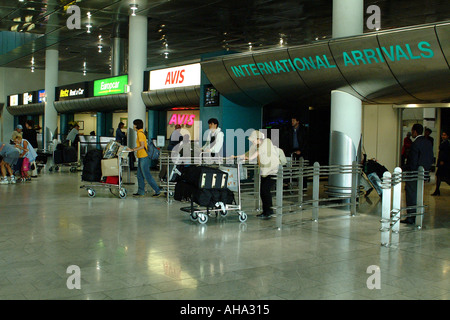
(118, 39)
(64, 120)
(51, 82)
(346, 110)
(137, 63)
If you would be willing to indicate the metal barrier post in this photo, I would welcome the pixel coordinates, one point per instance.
(257, 182)
(386, 209)
(300, 181)
(315, 193)
(279, 191)
(420, 189)
(396, 199)
(355, 188)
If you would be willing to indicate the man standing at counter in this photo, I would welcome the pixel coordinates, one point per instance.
(214, 138)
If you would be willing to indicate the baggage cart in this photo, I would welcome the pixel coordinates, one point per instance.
(201, 214)
(61, 157)
(122, 192)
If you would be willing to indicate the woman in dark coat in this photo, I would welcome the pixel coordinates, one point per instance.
(443, 162)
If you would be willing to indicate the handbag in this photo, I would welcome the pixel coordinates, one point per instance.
(26, 164)
(152, 151)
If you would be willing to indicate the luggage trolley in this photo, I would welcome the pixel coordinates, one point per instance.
(122, 191)
(168, 174)
(201, 215)
(60, 155)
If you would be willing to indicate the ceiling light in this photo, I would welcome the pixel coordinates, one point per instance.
(89, 25)
(32, 68)
(133, 8)
(100, 48)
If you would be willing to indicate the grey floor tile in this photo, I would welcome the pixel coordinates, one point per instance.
(147, 249)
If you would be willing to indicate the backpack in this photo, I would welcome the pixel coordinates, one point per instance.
(152, 150)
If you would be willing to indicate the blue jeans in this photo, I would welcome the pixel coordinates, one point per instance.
(143, 173)
(376, 181)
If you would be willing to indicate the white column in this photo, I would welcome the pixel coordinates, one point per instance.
(137, 63)
(348, 18)
(346, 116)
(51, 82)
(346, 110)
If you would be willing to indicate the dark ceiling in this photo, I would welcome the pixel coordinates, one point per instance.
(189, 27)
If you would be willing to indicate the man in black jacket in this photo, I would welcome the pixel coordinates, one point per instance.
(296, 139)
(421, 154)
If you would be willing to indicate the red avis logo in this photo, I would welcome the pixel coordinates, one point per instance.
(182, 119)
(174, 77)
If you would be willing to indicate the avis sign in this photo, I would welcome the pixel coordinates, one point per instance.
(182, 76)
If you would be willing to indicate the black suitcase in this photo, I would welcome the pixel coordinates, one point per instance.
(183, 191)
(209, 197)
(70, 155)
(58, 156)
(205, 177)
(92, 166)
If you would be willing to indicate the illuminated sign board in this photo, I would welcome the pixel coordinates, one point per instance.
(41, 96)
(183, 76)
(182, 119)
(28, 97)
(73, 91)
(109, 86)
(355, 58)
(13, 100)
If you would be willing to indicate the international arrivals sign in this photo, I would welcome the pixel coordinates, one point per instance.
(182, 76)
(115, 85)
(354, 58)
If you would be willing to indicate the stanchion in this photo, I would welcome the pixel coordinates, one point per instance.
(315, 192)
(386, 209)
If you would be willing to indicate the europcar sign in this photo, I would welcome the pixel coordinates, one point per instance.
(115, 85)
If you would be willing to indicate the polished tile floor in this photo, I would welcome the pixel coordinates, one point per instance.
(144, 248)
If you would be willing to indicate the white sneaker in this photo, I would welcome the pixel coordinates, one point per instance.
(4, 181)
(13, 179)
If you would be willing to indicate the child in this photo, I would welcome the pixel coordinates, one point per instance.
(28, 152)
(9, 156)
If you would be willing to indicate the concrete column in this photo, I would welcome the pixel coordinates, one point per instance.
(118, 56)
(51, 82)
(118, 38)
(137, 63)
(348, 18)
(346, 110)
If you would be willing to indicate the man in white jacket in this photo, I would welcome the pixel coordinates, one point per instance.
(214, 139)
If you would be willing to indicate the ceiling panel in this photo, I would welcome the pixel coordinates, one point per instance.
(190, 28)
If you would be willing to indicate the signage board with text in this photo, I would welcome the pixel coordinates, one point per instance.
(182, 76)
(72, 91)
(115, 85)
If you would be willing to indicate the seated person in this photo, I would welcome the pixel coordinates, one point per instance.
(9, 156)
(374, 172)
